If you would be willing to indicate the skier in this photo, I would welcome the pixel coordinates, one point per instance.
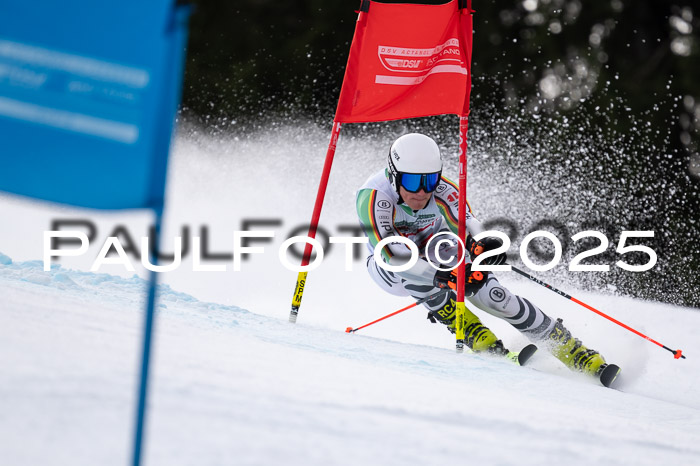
(411, 198)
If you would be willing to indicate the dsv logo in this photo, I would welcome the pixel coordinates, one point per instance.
(497, 294)
(384, 204)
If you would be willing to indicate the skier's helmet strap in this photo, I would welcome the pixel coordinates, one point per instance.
(415, 153)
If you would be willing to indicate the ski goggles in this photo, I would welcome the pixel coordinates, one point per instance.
(413, 182)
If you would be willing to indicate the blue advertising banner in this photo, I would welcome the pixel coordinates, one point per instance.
(88, 95)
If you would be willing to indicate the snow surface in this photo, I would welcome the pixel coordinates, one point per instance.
(234, 383)
(234, 387)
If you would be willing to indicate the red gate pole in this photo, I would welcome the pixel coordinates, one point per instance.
(301, 279)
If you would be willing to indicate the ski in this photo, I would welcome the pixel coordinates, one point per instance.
(609, 373)
(523, 356)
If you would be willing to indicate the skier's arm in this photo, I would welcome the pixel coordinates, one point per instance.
(376, 213)
(447, 199)
(448, 203)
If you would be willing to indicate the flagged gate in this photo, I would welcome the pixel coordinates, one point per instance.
(406, 61)
(88, 95)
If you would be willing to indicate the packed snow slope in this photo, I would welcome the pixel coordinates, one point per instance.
(235, 387)
(234, 383)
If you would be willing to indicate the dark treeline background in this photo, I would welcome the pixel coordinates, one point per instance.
(621, 77)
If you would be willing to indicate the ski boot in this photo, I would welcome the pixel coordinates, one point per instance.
(477, 337)
(573, 353)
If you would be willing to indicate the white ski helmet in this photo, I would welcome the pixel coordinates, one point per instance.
(414, 153)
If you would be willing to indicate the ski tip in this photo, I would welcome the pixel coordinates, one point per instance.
(526, 353)
(609, 374)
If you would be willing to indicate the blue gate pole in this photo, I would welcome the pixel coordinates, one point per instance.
(149, 318)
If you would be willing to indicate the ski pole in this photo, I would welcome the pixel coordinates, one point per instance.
(676, 354)
(420, 301)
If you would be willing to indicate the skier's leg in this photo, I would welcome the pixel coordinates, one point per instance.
(522, 314)
(477, 336)
(388, 281)
(498, 301)
(441, 309)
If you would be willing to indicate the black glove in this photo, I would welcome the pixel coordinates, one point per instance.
(486, 244)
(445, 279)
(472, 283)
